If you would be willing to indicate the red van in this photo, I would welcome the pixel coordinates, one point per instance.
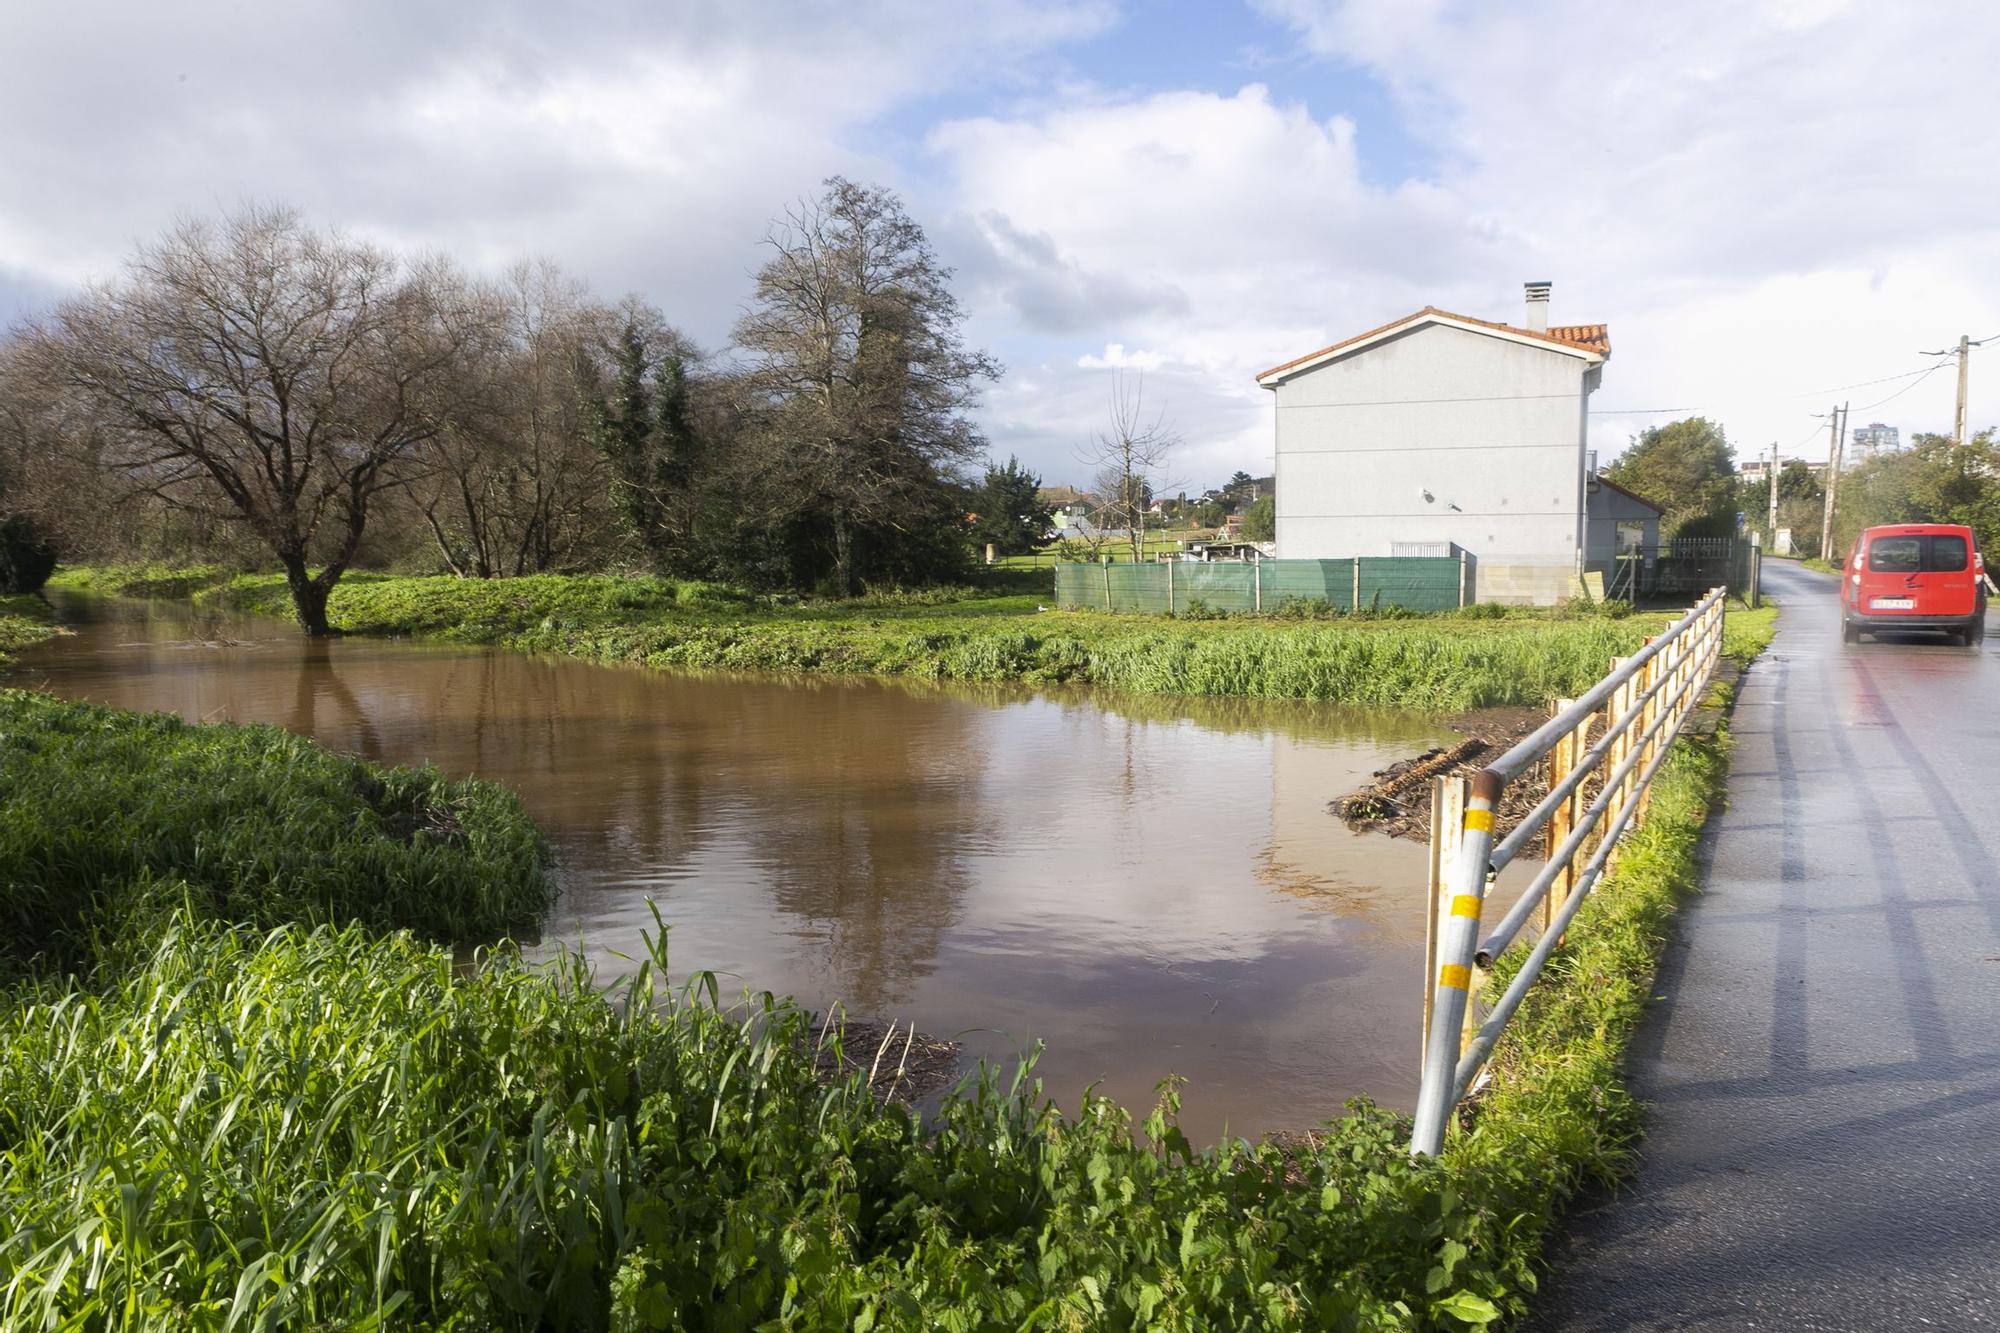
(1914, 576)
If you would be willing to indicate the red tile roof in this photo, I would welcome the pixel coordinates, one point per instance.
(1597, 337)
(1583, 337)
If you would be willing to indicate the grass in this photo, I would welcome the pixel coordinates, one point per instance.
(149, 580)
(109, 820)
(24, 622)
(214, 1114)
(992, 633)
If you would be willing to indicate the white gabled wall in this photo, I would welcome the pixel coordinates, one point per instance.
(1491, 425)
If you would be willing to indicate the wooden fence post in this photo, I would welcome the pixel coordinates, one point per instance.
(1562, 820)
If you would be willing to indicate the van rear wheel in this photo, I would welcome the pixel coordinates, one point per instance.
(1849, 633)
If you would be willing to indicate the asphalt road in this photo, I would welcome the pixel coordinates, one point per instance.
(1823, 1055)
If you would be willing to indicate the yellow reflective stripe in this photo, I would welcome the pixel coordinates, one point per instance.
(1464, 904)
(1454, 976)
(1481, 820)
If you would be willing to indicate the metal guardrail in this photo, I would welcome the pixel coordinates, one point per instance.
(1635, 712)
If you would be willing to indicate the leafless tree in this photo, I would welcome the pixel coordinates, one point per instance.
(512, 483)
(49, 442)
(1130, 456)
(267, 371)
(858, 376)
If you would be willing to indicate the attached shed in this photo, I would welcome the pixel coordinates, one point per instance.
(1617, 520)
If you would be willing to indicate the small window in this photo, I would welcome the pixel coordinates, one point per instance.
(1896, 555)
(1947, 554)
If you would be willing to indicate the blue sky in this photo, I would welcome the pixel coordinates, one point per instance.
(1768, 200)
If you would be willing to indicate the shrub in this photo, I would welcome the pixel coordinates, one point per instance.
(27, 555)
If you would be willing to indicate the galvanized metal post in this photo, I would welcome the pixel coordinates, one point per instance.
(1170, 585)
(1447, 823)
(1354, 597)
(1257, 585)
(1457, 939)
(1107, 583)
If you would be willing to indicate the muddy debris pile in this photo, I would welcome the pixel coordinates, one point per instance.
(901, 1064)
(1398, 801)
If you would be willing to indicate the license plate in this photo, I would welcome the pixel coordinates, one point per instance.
(1894, 604)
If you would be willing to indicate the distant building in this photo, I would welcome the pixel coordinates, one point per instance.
(1873, 438)
(1754, 470)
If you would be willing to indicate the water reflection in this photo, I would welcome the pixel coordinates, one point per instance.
(1148, 885)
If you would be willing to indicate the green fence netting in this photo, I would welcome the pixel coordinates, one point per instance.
(1416, 583)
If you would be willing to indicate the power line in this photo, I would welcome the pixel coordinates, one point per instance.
(1916, 377)
(1907, 387)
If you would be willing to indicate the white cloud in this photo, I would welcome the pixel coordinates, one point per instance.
(1762, 199)
(1221, 234)
(644, 146)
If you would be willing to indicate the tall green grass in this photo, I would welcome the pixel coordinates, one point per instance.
(1439, 663)
(317, 1129)
(108, 819)
(1452, 661)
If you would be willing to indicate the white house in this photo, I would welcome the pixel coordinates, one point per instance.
(1442, 430)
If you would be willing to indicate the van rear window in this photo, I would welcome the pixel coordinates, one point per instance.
(1896, 555)
(1912, 555)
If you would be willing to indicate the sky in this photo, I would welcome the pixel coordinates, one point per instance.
(1777, 205)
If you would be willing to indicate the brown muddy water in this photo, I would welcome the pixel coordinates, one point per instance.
(1147, 886)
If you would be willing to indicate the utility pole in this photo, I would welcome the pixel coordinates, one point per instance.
(1773, 524)
(1964, 354)
(1833, 483)
(1837, 430)
(1964, 361)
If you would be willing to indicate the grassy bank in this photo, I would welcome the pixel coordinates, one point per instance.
(1440, 663)
(24, 622)
(212, 1118)
(109, 819)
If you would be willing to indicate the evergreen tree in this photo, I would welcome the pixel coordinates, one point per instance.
(1686, 468)
(645, 429)
(1009, 514)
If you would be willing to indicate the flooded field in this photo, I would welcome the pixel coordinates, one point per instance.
(1147, 886)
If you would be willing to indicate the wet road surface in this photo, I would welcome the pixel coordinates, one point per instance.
(1823, 1055)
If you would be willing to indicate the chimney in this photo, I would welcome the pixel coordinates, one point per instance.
(1538, 306)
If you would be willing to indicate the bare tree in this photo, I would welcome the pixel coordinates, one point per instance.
(49, 442)
(513, 483)
(859, 378)
(266, 371)
(1130, 456)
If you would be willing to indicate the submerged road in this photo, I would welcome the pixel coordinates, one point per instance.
(1822, 1059)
